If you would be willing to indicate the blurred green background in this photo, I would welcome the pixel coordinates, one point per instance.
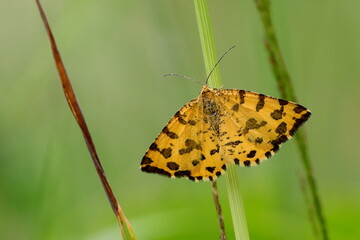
(115, 53)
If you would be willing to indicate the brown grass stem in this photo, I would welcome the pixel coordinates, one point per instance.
(125, 227)
(219, 211)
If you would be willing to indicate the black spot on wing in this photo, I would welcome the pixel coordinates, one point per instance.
(276, 148)
(191, 178)
(184, 151)
(182, 121)
(146, 160)
(278, 141)
(182, 173)
(195, 162)
(235, 108)
(299, 109)
(173, 166)
(154, 147)
(252, 123)
(281, 128)
(213, 151)
(233, 144)
(247, 163)
(251, 154)
(210, 169)
(277, 113)
(242, 96)
(190, 145)
(166, 152)
(180, 118)
(192, 122)
(178, 114)
(151, 169)
(283, 102)
(170, 134)
(299, 122)
(261, 102)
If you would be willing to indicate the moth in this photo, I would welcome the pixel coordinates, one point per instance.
(222, 127)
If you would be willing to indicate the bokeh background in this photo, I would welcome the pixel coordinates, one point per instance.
(115, 53)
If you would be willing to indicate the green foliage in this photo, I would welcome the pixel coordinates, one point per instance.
(116, 53)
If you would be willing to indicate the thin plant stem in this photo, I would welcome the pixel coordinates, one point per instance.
(219, 211)
(308, 203)
(214, 81)
(287, 91)
(125, 227)
(207, 42)
(236, 204)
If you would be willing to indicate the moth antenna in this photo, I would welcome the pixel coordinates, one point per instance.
(183, 76)
(207, 79)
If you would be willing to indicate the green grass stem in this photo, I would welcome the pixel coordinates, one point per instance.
(207, 42)
(287, 91)
(236, 204)
(210, 59)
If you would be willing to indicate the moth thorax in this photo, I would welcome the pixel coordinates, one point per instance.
(210, 107)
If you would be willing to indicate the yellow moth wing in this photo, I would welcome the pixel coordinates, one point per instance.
(185, 147)
(255, 125)
(220, 127)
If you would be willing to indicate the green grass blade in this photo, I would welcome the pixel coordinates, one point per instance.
(236, 204)
(207, 42)
(287, 91)
(210, 59)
